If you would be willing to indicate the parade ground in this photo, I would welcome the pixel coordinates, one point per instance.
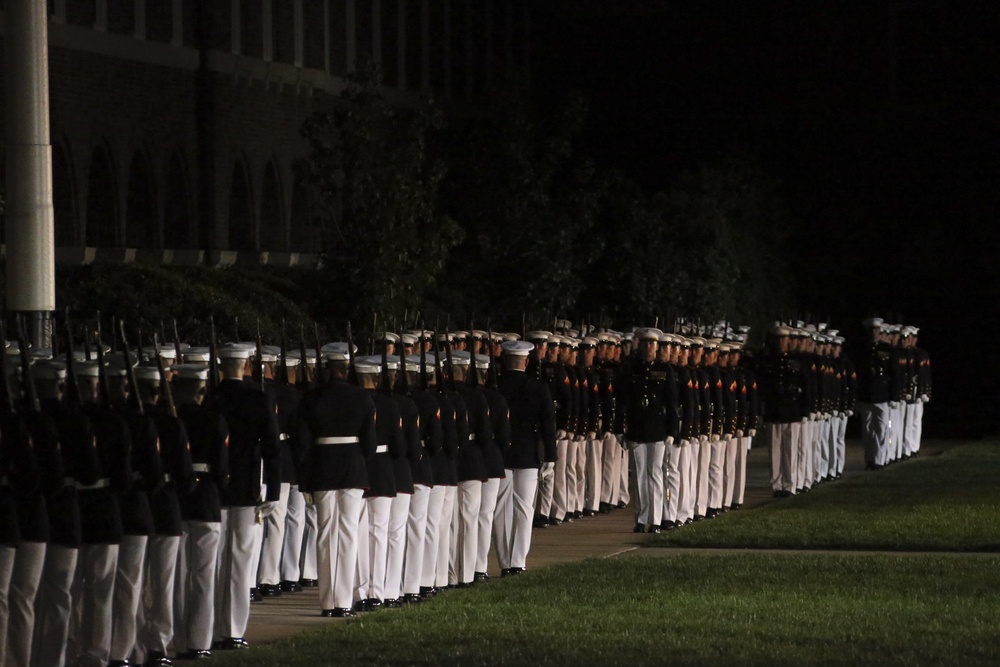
(899, 566)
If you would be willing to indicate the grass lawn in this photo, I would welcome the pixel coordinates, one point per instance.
(786, 609)
(948, 502)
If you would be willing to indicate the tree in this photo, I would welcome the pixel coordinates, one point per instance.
(376, 189)
(528, 205)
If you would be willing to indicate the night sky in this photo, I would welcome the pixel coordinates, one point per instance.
(880, 119)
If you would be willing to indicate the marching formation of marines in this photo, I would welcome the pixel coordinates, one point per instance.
(148, 497)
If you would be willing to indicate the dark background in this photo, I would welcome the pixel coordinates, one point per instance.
(880, 120)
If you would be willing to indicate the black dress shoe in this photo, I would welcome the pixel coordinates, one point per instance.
(480, 577)
(622, 505)
(339, 612)
(698, 517)
(157, 659)
(540, 522)
(511, 571)
(290, 587)
(255, 595)
(639, 528)
(412, 598)
(589, 513)
(231, 644)
(604, 508)
(428, 592)
(391, 603)
(578, 514)
(361, 606)
(374, 604)
(712, 513)
(736, 506)
(121, 663)
(553, 521)
(195, 654)
(269, 590)
(688, 521)
(653, 529)
(308, 583)
(667, 525)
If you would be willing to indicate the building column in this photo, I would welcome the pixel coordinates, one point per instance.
(29, 212)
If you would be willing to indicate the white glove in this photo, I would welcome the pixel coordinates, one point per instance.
(267, 508)
(591, 435)
(805, 419)
(739, 433)
(670, 439)
(580, 438)
(924, 398)
(752, 432)
(308, 497)
(893, 404)
(849, 413)
(703, 438)
(546, 469)
(727, 436)
(561, 435)
(814, 416)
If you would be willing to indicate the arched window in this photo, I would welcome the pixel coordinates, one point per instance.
(102, 201)
(304, 237)
(141, 228)
(63, 197)
(177, 228)
(242, 235)
(272, 219)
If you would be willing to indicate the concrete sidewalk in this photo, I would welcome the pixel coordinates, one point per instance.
(596, 537)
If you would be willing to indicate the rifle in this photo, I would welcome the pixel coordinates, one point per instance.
(129, 371)
(473, 379)
(8, 396)
(213, 359)
(164, 384)
(30, 391)
(301, 380)
(283, 358)
(114, 336)
(402, 381)
(438, 373)
(236, 327)
(491, 372)
(423, 357)
(317, 375)
(258, 367)
(371, 341)
(102, 374)
(352, 375)
(451, 368)
(72, 388)
(383, 382)
(163, 337)
(177, 343)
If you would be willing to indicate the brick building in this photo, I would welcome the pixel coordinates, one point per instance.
(175, 123)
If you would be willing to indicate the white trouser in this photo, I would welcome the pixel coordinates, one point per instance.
(291, 549)
(194, 583)
(24, 579)
(624, 495)
(716, 472)
(373, 549)
(234, 573)
(804, 448)
(875, 431)
(93, 586)
(671, 480)
(649, 483)
(512, 522)
(610, 469)
(446, 552)
(7, 556)
(435, 502)
(918, 425)
(338, 515)
(909, 429)
(581, 475)
(156, 614)
(564, 498)
(731, 456)
(399, 512)
(740, 474)
(703, 464)
(593, 480)
(487, 510)
(896, 418)
(552, 489)
(128, 591)
(783, 439)
(470, 498)
(269, 571)
(416, 534)
(310, 548)
(840, 445)
(688, 482)
(54, 606)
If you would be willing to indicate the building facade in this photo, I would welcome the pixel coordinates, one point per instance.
(175, 123)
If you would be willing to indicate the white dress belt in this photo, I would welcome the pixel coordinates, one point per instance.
(382, 449)
(337, 440)
(201, 467)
